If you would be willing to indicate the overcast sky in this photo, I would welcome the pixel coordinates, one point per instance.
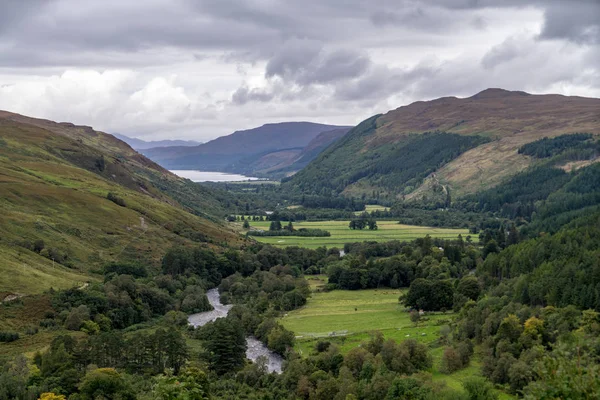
(197, 69)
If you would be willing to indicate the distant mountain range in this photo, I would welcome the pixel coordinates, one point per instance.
(139, 144)
(271, 149)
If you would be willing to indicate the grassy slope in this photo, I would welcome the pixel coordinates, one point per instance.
(49, 190)
(509, 119)
(376, 309)
(341, 234)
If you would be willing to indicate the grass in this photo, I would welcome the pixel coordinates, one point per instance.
(49, 192)
(372, 207)
(357, 313)
(341, 234)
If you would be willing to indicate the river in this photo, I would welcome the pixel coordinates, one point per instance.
(255, 348)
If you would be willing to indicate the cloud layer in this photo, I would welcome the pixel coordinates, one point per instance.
(203, 68)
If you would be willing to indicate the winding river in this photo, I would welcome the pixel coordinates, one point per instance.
(255, 348)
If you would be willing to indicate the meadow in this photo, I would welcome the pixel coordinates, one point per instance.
(341, 233)
(372, 207)
(346, 318)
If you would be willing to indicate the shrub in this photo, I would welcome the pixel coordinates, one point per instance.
(451, 361)
(7, 337)
(116, 199)
(479, 389)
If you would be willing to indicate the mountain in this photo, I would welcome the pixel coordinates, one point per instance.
(288, 161)
(139, 144)
(73, 199)
(448, 145)
(235, 152)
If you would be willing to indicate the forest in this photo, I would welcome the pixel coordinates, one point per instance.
(134, 341)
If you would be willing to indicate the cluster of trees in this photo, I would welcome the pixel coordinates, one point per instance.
(397, 264)
(122, 301)
(552, 270)
(544, 194)
(363, 223)
(549, 147)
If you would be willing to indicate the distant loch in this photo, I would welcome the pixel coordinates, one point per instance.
(209, 176)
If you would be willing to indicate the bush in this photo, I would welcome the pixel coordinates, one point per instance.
(47, 323)
(322, 345)
(76, 318)
(116, 199)
(90, 327)
(7, 337)
(31, 330)
(280, 339)
(479, 389)
(451, 361)
(135, 270)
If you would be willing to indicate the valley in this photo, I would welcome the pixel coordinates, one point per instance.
(366, 266)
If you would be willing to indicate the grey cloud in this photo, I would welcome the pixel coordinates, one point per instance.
(382, 81)
(504, 52)
(245, 95)
(577, 21)
(306, 62)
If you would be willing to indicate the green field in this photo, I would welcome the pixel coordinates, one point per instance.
(353, 314)
(341, 234)
(372, 207)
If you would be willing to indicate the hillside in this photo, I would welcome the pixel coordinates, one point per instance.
(139, 144)
(235, 152)
(58, 224)
(455, 145)
(285, 162)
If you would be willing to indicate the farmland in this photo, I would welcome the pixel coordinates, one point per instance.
(341, 233)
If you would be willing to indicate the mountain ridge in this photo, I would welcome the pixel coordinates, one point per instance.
(140, 144)
(506, 120)
(222, 153)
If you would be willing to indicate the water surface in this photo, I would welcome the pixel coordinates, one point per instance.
(255, 348)
(209, 176)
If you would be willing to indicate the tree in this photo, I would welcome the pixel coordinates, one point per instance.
(290, 227)
(469, 287)
(430, 295)
(105, 383)
(246, 224)
(451, 361)
(479, 389)
(76, 317)
(191, 384)
(372, 225)
(407, 388)
(225, 343)
(280, 339)
(275, 226)
(568, 373)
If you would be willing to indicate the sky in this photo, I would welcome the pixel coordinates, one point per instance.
(198, 69)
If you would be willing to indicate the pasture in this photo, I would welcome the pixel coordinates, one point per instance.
(341, 233)
(346, 318)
